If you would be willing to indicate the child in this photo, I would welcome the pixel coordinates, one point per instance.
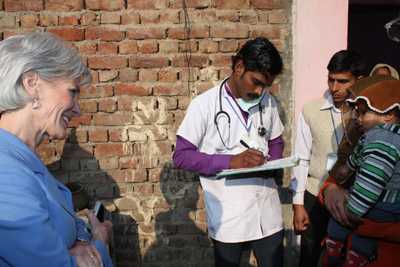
(376, 163)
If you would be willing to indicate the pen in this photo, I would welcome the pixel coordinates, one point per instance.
(244, 144)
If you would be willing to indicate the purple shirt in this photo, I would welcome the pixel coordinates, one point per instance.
(187, 156)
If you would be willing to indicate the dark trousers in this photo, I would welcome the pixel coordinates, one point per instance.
(311, 239)
(268, 251)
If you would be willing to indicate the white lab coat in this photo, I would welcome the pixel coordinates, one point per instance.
(238, 210)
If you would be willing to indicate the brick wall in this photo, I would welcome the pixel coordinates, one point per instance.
(120, 148)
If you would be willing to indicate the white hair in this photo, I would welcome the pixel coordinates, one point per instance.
(39, 52)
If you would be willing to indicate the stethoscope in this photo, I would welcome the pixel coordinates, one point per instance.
(261, 130)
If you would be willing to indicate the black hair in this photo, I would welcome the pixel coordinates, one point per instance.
(259, 55)
(348, 61)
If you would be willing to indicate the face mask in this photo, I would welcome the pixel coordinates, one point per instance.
(247, 105)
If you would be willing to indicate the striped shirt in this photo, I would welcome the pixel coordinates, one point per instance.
(376, 161)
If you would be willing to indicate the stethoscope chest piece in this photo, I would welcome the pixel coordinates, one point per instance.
(262, 131)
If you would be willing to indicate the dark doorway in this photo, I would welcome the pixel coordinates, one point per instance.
(366, 32)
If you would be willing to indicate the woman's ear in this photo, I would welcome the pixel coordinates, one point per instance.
(30, 81)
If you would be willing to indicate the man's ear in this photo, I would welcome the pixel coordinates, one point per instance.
(239, 68)
(30, 81)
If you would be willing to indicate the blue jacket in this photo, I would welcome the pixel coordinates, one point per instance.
(37, 221)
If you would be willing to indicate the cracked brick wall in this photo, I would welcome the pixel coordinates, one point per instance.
(120, 148)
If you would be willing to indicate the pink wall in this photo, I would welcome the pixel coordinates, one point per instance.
(320, 30)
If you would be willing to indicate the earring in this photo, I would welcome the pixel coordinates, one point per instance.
(35, 103)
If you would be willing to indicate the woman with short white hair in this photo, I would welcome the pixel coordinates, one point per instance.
(40, 79)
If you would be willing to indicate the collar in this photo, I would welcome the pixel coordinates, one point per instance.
(328, 102)
(21, 151)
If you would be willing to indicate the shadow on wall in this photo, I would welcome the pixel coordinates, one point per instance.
(77, 164)
(181, 239)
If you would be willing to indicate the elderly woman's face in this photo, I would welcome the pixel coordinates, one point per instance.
(59, 103)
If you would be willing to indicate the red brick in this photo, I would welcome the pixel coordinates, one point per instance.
(195, 32)
(128, 47)
(107, 48)
(81, 136)
(148, 46)
(148, 75)
(29, 20)
(109, 5)
(194, 74)
(89, 18)
(88, 106)
(108, 150)
(68, 20)
(188, 46)
(208, 46)
(170, 90)
(128, 75)
(128, 162)
(127, 103)
(62, 5)
(231, 4)
(191, 3)
(278, 17)
(107, 62)
(48, 20)
(132, 89)
(228, 16)
(228, 46)
(249, 17)
(195, 61)
(147, 4)
(200, 16)
(69, 34)
(25, 5)
(97, 91)
(110, 18)
(114, 119)
(221, 60)
(148, 62)
(269, 31)
(146, 189)
(232, 31)
(95, 76)
(266, 4)
(139, 175)
(146, 33)
(107, 105)
(168, 75)
(104, 34)
(83, 119)
(130, 17)
(109, 163)
(168, 46)
(46, 153)
(170, 16)
(107, 75)
(117, 135)
(98, 135)
(149, 17)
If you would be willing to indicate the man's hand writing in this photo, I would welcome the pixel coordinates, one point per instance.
(247, 159)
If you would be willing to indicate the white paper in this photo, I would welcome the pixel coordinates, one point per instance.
(270, 165)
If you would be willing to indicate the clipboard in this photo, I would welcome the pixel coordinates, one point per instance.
(287, 162)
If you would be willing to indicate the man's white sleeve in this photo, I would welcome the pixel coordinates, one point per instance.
(193, 126)
(302, 149)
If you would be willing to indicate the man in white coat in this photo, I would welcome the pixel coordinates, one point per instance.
(236, 125)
